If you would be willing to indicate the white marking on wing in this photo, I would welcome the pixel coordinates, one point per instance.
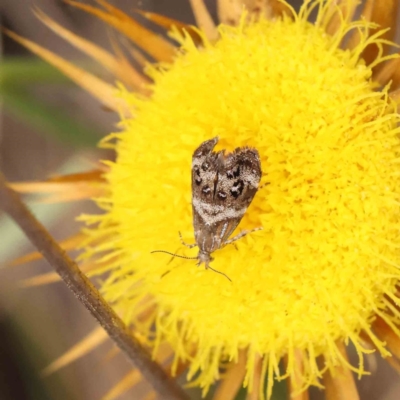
(223, 230)
(204, 209)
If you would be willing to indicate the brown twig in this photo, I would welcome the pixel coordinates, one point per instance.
(84, 290)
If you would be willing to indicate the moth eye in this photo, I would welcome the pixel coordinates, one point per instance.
(233, 173)
(229, 174)
(205, 166)
(221, 195)
(197, 177)
(206, 190)
(237, 189)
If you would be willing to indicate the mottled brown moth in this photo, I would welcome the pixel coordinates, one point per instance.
(223, 186)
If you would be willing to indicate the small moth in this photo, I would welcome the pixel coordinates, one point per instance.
(223, 186)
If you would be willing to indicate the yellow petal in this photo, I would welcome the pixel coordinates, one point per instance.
(230, 11)
(355, 37)
(153, 44)
(150, 396)
(52, 277)
(168, 23)
(279, 9)
(204, 20)
(296, 380)
(66, 188)
(60, 192)
(389, 72)
(384, 13)
(111, 354)
(72, 193)
(90, 342)
(104, 92)
(39, 280)
(257, 381)
(395, 96)
(233, 380)
(133, 377)
(386, 334)
(128, 381)
(94, 175)
(341, 385)
(341, 10)
(70, 243)
(123, 71)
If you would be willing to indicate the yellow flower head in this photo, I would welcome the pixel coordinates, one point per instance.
(325, 265)
(326, 260)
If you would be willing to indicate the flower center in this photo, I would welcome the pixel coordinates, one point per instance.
(328, 250)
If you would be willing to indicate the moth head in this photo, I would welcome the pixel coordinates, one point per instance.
(204, 258)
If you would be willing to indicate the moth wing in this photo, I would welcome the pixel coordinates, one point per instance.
(223, 187)
(238, 180)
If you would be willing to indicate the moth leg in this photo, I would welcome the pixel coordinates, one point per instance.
(233, 244)
(240, 235)
(190, 246)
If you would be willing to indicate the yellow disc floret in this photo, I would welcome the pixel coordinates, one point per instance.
(327, 258)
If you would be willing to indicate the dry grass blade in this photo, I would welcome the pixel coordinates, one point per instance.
(204, 20)
(150, 42)
(169, 23)
(343, 10)
(89, 343)
(104, 92)
(383, 13)
(125, 72)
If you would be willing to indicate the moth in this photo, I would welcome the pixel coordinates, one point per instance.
(223, 186)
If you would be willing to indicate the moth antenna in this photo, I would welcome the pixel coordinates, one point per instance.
(189, 258)
(174, 255)
(219, 272)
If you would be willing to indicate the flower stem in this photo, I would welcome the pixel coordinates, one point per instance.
(85, 291)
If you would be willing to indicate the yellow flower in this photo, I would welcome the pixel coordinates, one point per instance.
(324, 269)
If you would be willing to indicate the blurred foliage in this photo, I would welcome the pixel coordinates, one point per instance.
(18, 76)
(19, 374)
